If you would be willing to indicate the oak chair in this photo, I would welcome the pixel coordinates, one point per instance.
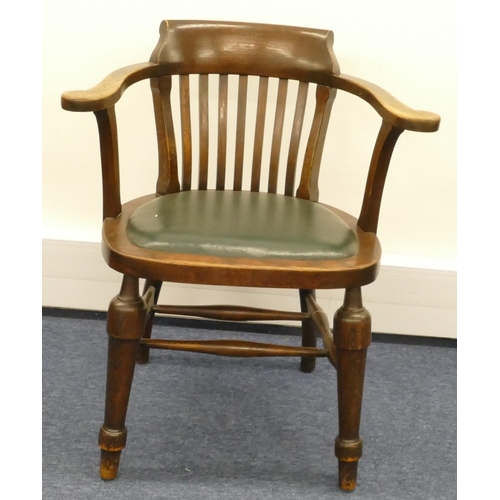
(228, 216)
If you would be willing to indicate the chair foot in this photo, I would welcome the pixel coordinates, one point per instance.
(110, 460)
(143, 355)
(347, 475)
(307, 365)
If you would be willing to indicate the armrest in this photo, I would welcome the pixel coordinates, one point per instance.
(388, 107)
(108, 91)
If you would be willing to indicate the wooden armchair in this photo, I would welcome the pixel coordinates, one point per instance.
(260, 224)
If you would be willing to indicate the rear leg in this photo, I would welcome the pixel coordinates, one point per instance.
(307, 363)
(143, 354)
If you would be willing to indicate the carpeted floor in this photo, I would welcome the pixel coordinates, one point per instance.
(206, 427)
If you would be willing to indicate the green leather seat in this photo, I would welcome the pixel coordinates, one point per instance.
(241, 224)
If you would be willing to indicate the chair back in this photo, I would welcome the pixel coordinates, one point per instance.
(253, 103)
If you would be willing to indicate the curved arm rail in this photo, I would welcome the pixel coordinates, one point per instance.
(388, 107)
(107, 92)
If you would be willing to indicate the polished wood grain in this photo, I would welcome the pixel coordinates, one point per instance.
(379, 165)
(108, 137)
(163, 179)
(293, 152)
(107, 92)
(279, 117)
(231, 313)
(308, 188)
(187, 154)
(204, 133)
(388, 107)
(295, 56)
(240, 132)
(168, 176)
(259, 133)
(352, 336)
(307, 363)
(222, 135)
(234, 348)
(221, 47)
(126, 317)
(320, 320)
(143, 353)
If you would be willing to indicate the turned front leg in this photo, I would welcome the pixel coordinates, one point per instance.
(126, 318)
(352, 336)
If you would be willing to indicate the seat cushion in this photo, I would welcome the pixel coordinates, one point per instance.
(241, 224)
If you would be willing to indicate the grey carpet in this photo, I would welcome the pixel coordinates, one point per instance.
(206, 427)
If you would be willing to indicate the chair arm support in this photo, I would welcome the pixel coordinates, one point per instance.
(108, 140)
(381, 157)
(107, 92)
(388, 107)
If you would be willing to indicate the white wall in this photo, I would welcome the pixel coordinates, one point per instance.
(409, 49)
